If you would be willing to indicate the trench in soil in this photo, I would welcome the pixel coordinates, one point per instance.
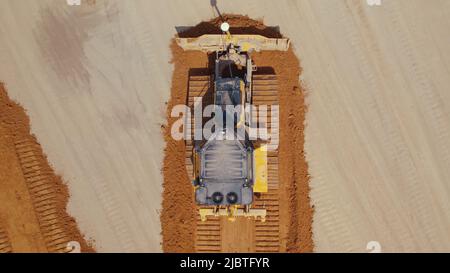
(288, 202)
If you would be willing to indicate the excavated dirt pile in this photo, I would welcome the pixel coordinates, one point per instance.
(180, 225)
(33, 199)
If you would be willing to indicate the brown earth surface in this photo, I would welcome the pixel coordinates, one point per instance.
(179, 217)
(33, 215)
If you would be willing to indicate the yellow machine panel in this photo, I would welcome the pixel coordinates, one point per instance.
(260, 159)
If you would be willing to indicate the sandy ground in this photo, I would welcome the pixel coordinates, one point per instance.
(94, 80)
(237, 239)
(377, 139)
(94, 87)
(33, 214)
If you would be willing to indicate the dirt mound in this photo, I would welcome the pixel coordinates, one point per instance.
(33, 215)
(293, 169)
(238, 25)
(179, 212)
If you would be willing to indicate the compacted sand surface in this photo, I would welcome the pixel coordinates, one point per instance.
(95, 79)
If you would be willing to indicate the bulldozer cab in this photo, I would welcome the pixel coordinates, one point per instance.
(225, 177)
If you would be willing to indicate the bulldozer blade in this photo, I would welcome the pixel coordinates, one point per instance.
(247, 43)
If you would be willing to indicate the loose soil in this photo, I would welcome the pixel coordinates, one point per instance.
(179, 213)
(33, 215)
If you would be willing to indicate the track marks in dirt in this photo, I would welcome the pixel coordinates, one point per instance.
(48, 195)
(179, 219)
(5, 244)
(295, 207)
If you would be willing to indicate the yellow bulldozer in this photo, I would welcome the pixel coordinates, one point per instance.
(228, 173)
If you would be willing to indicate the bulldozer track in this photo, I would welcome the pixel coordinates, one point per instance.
(40, 184)
(266, 235)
